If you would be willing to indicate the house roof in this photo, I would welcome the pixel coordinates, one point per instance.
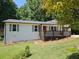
(52, 21)
(29, 21)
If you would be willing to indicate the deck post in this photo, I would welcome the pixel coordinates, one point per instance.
(41, 32)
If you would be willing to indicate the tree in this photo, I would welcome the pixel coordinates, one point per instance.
(66, 11)
(22, 13)
(32, 10)
(7, 9)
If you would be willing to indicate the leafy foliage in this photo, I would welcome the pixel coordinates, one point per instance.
(23, 54)
(74, 56)
(65, 11)
(26, 52)
(32, 10)
(75, 53)
(7, 9)
(73, 49)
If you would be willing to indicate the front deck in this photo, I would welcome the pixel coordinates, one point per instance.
(48, 32)
(56, 34)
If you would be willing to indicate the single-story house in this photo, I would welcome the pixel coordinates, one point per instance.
(23, 30)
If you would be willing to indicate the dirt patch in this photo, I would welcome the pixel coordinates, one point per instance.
(40, 42)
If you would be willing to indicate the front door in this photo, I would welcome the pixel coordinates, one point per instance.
(44, 28)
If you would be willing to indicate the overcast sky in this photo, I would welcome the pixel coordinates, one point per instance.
(19, 3)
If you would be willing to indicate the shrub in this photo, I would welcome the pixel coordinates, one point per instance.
(73, 49)
(27, 51)
(24, 54)
(73, 56)
(1, 38)
(75, 53)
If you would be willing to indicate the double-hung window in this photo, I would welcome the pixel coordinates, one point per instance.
(14, 27)
(35, 28)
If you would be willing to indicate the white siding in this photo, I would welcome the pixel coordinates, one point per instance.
(25, 33)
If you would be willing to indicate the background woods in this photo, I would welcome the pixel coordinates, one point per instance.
(65, 11)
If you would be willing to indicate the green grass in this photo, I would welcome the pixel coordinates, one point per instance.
(50, 51)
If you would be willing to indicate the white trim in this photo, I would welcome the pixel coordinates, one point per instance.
(4, 34)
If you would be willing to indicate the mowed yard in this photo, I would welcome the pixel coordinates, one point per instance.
(40, 50)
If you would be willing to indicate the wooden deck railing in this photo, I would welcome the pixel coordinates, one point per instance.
(56, 33)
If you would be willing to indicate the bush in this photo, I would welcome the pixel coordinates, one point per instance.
(75, 53)
(73, 56)
(73, 49)
(26, 53)
(1, 38)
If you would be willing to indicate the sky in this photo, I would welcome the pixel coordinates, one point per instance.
(19, 3)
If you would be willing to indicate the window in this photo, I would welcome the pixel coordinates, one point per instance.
(14, 27)
(53, 28)
(35, 28)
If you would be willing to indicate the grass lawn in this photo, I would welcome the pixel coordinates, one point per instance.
(49, 50)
